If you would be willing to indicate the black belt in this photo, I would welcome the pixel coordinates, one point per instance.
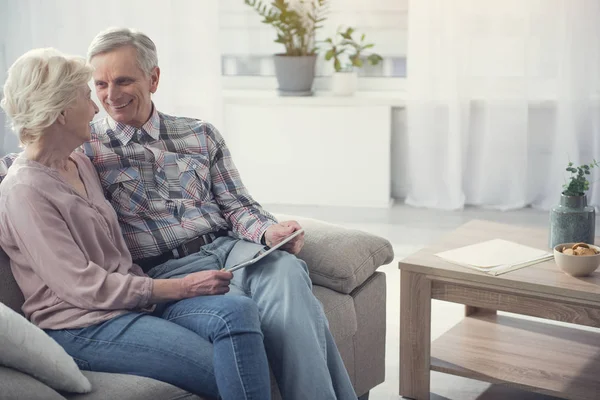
(187, 248)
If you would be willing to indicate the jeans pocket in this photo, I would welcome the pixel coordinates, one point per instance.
(82, 364)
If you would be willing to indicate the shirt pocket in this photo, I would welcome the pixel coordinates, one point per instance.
(194, 177)
(124, 188)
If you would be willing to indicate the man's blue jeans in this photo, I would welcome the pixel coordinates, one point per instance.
(174, 345)
(300, 348)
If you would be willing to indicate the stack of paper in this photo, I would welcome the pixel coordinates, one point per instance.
(495, 256)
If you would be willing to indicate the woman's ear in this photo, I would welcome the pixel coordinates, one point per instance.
(62, 117)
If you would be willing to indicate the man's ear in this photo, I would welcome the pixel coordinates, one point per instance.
(154, 78)
(62, 117)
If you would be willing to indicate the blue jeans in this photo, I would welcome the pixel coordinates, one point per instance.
(301, 350)
(174, 345)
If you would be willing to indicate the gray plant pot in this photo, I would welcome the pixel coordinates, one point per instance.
(572, 221)
(295, 74)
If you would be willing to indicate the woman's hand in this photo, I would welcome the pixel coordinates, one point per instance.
(206, 283)
(203, 283)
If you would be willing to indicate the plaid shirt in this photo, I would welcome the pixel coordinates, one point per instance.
(172, 181)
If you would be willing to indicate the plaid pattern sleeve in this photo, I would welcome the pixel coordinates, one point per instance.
(170, 181)
(245, 216)
(5, 163)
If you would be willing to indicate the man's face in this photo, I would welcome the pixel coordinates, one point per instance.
(122, 87)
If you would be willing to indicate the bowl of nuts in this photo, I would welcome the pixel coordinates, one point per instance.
(577, 259)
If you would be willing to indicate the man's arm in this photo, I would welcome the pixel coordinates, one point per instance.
(245, 216)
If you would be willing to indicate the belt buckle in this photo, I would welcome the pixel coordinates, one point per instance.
(184, 250)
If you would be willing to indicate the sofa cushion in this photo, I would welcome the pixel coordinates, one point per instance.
(25, 347)
(340, 258)
(131, 387)
(10, 294)
(18, 386)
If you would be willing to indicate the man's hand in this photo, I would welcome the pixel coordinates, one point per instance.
(276, 233)
(204, 283)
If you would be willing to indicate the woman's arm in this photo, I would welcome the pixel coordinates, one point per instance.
(203, 283)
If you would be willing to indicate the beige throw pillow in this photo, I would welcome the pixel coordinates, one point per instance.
(27, 348)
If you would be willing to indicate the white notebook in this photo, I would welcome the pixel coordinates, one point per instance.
(496, 256)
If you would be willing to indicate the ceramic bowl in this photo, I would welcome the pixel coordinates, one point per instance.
(576, 265)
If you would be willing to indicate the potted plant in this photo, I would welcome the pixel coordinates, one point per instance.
(296, 25)
(347, 55)
(573, 220)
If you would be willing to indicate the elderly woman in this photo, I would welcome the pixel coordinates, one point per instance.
(73, 267)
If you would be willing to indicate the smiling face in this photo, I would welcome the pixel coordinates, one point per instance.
(79, 114)
(123, 88)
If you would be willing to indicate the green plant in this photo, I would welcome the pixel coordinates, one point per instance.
(579, 183)
(295, 25)
(347, 53)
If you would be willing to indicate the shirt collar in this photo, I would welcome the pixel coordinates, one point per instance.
(124, 133)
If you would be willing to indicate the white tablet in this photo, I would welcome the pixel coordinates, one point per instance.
(265, 251)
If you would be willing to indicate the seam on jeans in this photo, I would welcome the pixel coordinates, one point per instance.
(323, 323)
(123, 344)
(181, 396)
(235, 349)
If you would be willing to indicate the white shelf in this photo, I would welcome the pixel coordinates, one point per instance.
(318, 99)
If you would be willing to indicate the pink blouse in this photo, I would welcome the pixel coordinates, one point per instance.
(67, 252)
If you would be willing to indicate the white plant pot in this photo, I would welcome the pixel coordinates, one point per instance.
(344, 83)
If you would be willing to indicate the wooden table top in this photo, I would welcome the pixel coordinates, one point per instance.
(544, 279)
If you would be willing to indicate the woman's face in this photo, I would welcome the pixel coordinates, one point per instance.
(80, 114)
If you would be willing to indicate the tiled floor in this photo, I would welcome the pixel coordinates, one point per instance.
(409, 229)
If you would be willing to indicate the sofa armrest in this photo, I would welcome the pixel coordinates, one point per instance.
(339, 258)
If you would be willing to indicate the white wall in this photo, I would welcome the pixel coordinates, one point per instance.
(184, 31)
(399, 153)
(4, 130)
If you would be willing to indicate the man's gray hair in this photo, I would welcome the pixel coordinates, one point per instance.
(114, 38)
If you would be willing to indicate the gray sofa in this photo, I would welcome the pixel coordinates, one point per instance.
(343, 267)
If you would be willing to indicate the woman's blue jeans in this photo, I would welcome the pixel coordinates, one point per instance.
(207, 345)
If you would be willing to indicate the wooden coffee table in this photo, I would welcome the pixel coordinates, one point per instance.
(558, 360)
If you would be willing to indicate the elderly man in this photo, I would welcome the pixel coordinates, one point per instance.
(175, 188)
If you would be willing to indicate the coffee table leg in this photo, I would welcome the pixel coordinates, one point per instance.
(415, 335)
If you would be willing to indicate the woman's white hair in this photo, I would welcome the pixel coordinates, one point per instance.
(114, 38)
(40, 85)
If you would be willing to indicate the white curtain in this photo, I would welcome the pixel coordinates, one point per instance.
(184, 31)
(501, 95)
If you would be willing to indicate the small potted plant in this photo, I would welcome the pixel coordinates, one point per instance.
(573, 220)
(347, 55)
(296, 25)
